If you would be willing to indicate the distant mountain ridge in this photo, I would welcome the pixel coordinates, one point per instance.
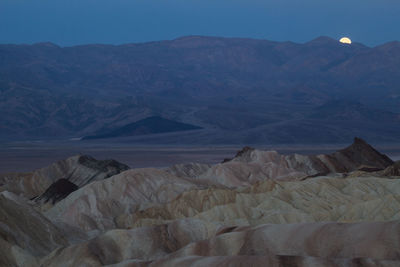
(238, 90)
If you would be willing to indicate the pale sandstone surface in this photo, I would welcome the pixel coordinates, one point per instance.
(146, 243)
(13, 255)
(25, 234)
(247, 261)
(280, 202)
(97, 205)
(189, 170)
(24, 226)
(334, 244)
(121, 200)
(149, 196)
(258, 208)
(312, 200)
(378, 240)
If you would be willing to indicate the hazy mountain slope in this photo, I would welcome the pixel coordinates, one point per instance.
(241, 86)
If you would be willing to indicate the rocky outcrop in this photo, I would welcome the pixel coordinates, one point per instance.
(79, 170)
(260, 207)
(84, 169)
(252, 165)
(190, 170)
(393, 170)
(234, 192)
(56, 192)
(361, 153)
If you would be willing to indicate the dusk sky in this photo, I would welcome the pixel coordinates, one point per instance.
(72, 22)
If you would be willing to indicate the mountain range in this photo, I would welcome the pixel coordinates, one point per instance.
(237, 90)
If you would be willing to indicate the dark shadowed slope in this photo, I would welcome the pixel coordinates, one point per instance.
(151, 125)
(78, 170)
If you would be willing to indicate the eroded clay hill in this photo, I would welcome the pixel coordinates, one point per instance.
(259, 208)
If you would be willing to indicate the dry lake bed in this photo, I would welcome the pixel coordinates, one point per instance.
(27, 156)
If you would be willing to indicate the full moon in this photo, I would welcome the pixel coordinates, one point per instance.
(345, 40)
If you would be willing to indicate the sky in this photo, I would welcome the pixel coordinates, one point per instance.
(74, 22)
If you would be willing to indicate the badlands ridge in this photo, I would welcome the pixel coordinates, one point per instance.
(259, 208)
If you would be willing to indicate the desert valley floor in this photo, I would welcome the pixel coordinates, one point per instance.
(31, 155)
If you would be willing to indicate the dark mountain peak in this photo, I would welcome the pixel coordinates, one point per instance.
(83, 169)
(323, 40)
(197, 41)
(46, 44)
(394, 45)
(358, 156)
(108, 166)
(193, 38)
(362, 153)
(360, 142)
(360, 46)
(245, 152)
(72, 173)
